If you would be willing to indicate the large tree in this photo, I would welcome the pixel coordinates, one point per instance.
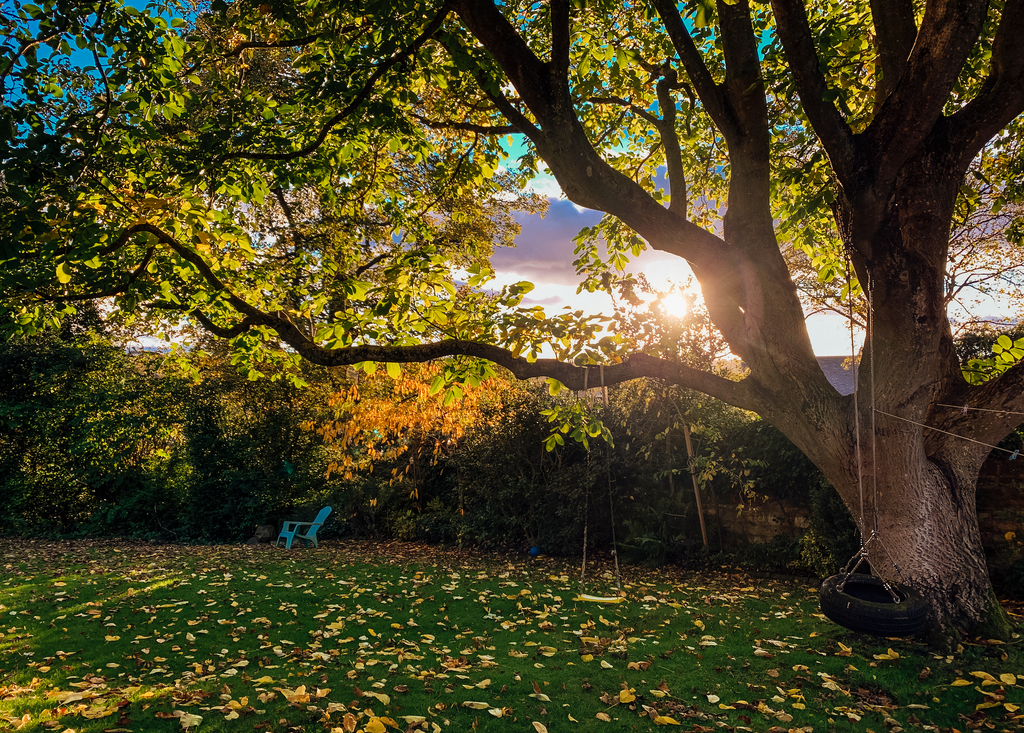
(845, 128)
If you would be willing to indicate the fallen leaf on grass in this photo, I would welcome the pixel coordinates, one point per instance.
(604, 716)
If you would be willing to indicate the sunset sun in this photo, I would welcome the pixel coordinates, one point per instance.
(674, 304)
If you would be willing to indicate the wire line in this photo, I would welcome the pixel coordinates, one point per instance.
(979, 409)
(946, 432)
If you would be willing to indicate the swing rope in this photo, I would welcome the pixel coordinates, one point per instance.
(611, 502)
(586, 502)
(856, 404)
(865, 544)
(611, 507)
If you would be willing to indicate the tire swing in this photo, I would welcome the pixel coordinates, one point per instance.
(861, 601)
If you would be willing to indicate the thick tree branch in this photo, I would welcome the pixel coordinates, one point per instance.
(748, 218)
(983, 420)
(224, 332)
(895, 30)
(572, 376)
(711, 95)
(560, 39)
(739, 394)
(675, 172)
(1001, 98)
(835, 135)
(948, 32)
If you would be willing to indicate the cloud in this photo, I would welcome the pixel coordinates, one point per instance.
(551, 300)
(544, 247)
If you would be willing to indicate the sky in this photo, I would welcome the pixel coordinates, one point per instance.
(543, 255)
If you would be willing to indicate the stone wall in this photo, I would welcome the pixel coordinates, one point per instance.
(1000, 510)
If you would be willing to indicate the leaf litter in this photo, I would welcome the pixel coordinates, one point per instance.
(361, 637)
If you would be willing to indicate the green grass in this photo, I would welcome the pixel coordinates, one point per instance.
(118, 637)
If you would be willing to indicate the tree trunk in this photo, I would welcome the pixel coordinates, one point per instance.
(927, 537)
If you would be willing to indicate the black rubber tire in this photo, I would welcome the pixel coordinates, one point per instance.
(866, 606)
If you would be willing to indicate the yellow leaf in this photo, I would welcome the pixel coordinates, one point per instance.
(657, 693)
(97, 711)
(604, 716)
(665, 720)
(540, 727)
(188, 720)
(606, 664)
(349, 723)
(985, 676)
(374, 725)
(475, 705)
(1011, 707)
(625, 696)
(713, 698)
(959, 683)
(1008, 679)
(585, 657)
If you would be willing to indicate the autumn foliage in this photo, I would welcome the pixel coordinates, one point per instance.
(407, 418)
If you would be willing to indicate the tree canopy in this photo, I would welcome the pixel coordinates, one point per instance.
(315, 179)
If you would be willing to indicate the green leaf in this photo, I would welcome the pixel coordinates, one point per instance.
(63, 273)
(394, 370)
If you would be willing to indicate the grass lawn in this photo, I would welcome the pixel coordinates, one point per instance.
(105, 636)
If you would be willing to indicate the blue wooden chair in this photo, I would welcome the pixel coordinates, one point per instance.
(305, 531)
